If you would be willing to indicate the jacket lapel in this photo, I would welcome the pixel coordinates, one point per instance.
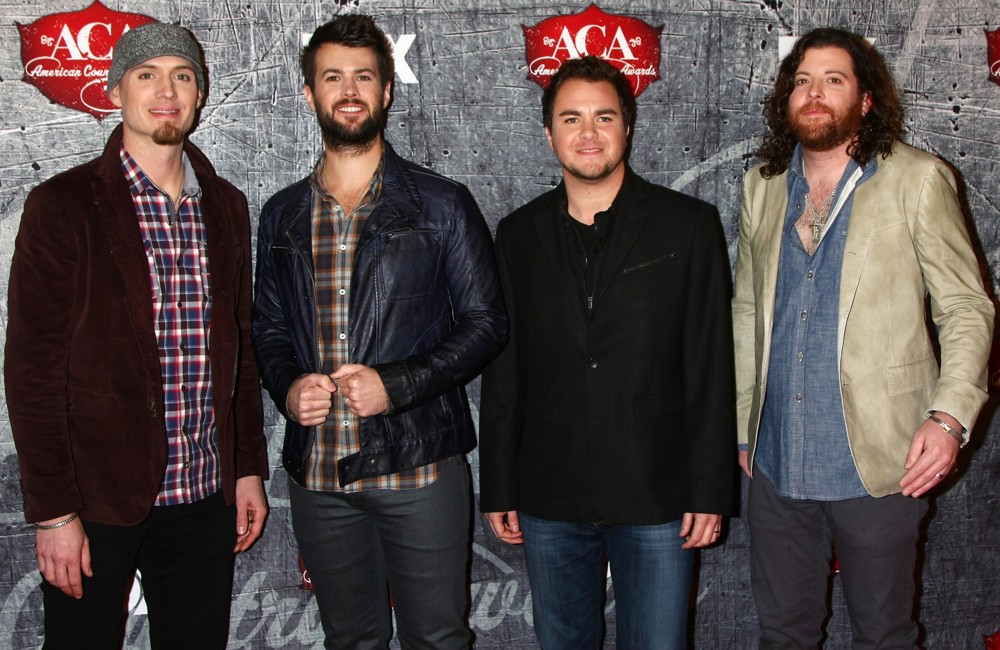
(629, 217)
(117, 215)
(769, 232)
(864, 217)
(552, 235)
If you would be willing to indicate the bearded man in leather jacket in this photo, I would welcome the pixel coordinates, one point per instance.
(377, 299)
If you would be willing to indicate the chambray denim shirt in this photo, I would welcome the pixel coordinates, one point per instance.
(802, 443)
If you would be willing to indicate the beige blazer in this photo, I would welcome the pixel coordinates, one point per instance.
(907, 256)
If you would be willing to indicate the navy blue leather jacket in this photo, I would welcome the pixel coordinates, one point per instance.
(426, 313)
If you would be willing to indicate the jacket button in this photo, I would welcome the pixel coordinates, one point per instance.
(593, 363)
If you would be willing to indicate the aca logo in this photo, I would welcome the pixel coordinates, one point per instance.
(67, 55)
(993, 54)
(628, 43)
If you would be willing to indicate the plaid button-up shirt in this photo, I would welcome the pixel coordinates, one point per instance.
(174, 239)
(335, 237)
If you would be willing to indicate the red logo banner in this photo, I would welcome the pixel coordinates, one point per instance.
(67, 55)
(993, 54)
(628, 43)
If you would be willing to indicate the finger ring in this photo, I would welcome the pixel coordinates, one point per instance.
(938, 475)
(347, 400)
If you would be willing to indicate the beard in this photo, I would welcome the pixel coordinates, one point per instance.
(592, 173)
(839, 131)
(168, 134)
(357, 137)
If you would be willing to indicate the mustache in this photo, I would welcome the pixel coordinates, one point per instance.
(814, 106)
(349, 102)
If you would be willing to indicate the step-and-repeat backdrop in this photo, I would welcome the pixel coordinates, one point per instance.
(467, 104)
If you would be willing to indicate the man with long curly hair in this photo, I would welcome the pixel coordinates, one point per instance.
(847, 417)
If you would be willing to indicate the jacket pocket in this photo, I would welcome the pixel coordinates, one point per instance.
(643, 265)
(908, 377)
(409, 263)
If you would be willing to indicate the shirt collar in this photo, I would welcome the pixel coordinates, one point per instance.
(795, 167)
(139, 183)
(374, 185)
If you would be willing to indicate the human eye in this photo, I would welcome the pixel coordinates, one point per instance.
(183, 76)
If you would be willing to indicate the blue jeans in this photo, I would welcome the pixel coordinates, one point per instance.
(650, 571)
(414, 544)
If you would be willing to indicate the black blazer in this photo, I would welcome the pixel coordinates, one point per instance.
(627, 415)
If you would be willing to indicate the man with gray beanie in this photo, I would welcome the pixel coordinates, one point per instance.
(133, 395)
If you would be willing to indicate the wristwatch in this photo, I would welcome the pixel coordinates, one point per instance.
(962, 436)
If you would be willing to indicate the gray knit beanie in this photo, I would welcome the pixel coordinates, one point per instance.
(150, 41)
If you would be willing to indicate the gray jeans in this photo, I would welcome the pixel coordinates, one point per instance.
(790, 551)
(411, 545)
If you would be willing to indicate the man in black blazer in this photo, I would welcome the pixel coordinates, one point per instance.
(607, 424)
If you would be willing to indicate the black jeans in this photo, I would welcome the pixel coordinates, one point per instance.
(185, 556)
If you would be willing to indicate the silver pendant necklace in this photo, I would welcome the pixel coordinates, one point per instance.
(818, 216)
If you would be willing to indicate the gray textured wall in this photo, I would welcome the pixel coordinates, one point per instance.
(475, 117)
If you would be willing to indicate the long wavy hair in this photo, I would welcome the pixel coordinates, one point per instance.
(880, 127)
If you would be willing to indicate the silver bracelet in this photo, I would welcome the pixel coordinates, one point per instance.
(58, 524)
(961, 436)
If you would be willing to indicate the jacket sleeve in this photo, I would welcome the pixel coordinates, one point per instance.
(499, 412)
(251, 445)
(744, 320)
(959, 305)
(272, 342)
(480, 323)
(42, 308)
(708, 371)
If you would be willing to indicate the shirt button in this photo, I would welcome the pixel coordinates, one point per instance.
(179, 304)
(187, 465)
(800, 356)
(804, 315)
(342, 292)
(593, 363)
(345, 423)
(798, 397)
(342, 336)
(343, 247)
(809, 275)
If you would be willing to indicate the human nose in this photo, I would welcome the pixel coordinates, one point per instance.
(815, 89)
(588, 129)
(350, 88)
(166, 87)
